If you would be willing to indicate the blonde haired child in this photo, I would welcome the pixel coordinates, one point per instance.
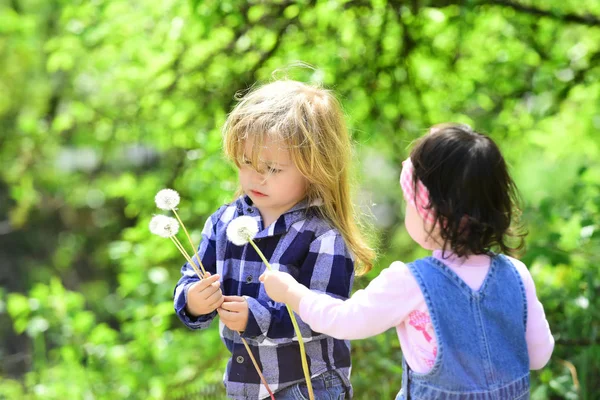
(292, 149)
(468, 319)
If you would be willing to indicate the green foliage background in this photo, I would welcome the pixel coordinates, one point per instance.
(104, 102)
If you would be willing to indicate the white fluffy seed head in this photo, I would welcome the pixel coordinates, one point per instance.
(167, 199)
(155, 223)
(164, 226)
(241, 230)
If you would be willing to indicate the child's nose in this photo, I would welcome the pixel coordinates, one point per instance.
(259, 177)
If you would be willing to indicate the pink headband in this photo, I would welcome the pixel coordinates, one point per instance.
(408, 188)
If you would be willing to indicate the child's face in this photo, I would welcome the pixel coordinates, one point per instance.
(418, 229)
(277, 186)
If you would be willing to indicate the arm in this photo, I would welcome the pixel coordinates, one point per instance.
(540, 342)
(383, 304)
(205, 292)
(327, 268)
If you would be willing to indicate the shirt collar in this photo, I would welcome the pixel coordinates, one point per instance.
(298, 212)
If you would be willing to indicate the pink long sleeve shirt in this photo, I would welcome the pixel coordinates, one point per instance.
(394, 299)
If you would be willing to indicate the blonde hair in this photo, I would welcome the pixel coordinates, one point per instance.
(310, 122)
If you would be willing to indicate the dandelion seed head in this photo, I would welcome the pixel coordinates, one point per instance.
(167, 199)
(155, 223)
(170, 228)
(164, 226)
(241, 230)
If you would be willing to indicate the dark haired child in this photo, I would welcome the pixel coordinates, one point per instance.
(468, 319)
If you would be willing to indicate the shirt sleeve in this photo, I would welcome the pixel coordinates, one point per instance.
(207, 254)
(384, 303)
(328, 268)
(540, 342)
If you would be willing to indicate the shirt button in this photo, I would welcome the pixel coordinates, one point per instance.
(249, 278)
(239, 359)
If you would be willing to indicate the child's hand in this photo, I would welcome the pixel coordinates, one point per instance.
(234, 313)
(278, 284)
(205, 296)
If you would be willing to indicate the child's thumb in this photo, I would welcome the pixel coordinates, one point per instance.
(263, 276)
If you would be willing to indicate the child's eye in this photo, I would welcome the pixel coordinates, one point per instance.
(274, 170)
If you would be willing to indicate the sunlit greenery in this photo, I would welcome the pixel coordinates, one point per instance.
(104, 102)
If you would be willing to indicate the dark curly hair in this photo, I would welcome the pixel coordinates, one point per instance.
(475, 200)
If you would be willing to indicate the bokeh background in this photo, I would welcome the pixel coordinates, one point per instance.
(105, 102)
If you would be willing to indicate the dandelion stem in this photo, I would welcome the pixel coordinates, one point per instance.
(262, 378)
(200, 275)
(177, 244)
(302, 353)
(296, 329)
(261, 255)
(194, 248)
(246, 344)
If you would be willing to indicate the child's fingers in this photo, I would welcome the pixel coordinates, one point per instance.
(233, 320)
(234, 306)
(215, 299)
(207, 292)
(234, 298)
(216, 304)
(264, 276)
(207, 281)
(226, 315)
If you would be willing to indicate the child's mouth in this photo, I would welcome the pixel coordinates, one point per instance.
(257, 193)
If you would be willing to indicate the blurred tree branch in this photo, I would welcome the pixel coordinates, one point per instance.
(577, 342)
(580, 75)
(590, 20)
(16, 6)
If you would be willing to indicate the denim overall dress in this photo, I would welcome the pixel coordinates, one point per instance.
(482, 352)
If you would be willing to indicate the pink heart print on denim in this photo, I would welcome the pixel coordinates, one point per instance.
(408, 188)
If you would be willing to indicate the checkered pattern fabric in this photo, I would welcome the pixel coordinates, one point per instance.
(299, 243)
(421, 200)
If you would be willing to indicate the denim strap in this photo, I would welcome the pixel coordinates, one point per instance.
(405, 378)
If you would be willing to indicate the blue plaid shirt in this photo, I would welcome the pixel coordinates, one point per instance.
(299, 243)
